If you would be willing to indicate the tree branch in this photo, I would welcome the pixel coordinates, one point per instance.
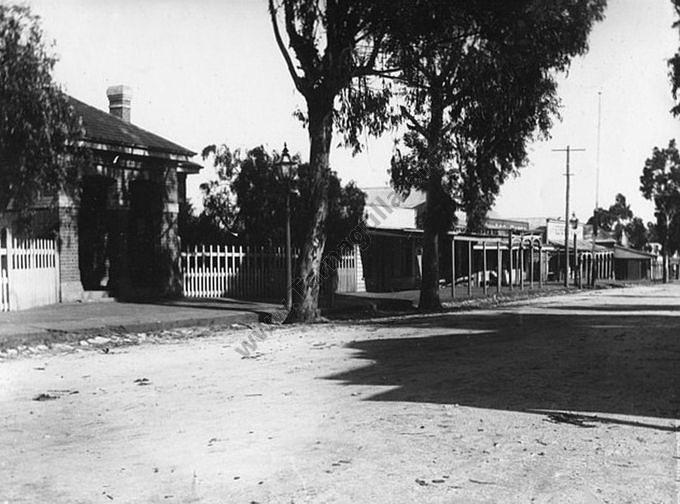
(304, 47)
(299, 84)
(415, 124)
(367, 67)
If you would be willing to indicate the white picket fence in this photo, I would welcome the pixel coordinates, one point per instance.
(29, 272)
(248, 272)
(234, 271)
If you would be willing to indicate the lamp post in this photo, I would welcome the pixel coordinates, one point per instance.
(573, 222)
(287, 168)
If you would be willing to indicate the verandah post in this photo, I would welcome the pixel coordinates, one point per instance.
(469, 286)
(499, 260)
(520, 261)
(510, 266)
(484, 288)
(453, 266)
(540, 265)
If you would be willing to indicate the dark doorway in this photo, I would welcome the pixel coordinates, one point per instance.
(94, 232)
(146, 212)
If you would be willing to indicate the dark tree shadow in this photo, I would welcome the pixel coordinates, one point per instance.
(618, 308)
(578, 361)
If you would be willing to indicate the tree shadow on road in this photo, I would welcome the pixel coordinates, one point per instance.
(613, 364)
(618, 308)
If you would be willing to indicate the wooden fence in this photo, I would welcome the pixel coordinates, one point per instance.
(340, 271)
(29, 272)
(238, 271)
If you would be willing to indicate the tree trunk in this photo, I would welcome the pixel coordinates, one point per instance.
(664, 248)
(429, 282)
(432, 225)
(306, 282)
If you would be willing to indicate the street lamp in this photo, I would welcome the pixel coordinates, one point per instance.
(573, 222)
(287, 171)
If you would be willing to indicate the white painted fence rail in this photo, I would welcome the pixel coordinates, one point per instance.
(29, 272)
(210, 271)
(237, 271)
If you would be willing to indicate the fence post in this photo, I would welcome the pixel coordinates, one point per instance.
(11, 303)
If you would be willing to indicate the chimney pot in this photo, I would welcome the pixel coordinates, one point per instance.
(119, 101)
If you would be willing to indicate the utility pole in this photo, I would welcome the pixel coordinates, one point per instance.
(593, 262)
(597, 155)
(568, 150)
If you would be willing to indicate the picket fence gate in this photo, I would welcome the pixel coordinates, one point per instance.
(236, 271)
(29, 272)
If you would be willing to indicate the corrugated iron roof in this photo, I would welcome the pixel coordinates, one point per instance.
(387, 196)
(629, 253)
(103, 127)
(582, 245)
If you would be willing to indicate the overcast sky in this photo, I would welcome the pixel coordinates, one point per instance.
(209, 71)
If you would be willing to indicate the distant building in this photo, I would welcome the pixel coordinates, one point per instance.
(393, 258)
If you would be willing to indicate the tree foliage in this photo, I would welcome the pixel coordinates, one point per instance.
(249, 199)
(331, 49)
(637, 233)
(660, 183)
(203, 228)
(674, 65)
(477, 82)
(618, 220)
(39, 131)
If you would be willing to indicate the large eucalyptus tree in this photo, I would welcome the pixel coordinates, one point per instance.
(331, 49)
(477, 84)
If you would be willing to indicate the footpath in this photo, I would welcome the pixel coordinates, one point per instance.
(76, 322)
(73, 321)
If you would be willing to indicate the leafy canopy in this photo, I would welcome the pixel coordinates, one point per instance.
(39, 131)
(619, 221)
(660, 183)
(333, 52)
(674, 65)
(478, 82)
(249, 199)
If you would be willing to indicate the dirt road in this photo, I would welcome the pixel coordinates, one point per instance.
(565, 399)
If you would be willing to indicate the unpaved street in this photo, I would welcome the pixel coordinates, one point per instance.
(462, 407)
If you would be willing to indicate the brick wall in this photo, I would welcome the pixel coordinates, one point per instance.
(67, 242)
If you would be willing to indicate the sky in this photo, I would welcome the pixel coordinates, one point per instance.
(210, 72)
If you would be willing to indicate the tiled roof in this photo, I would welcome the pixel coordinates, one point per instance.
(106, 128)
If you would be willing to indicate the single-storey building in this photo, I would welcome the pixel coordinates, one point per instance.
(119, 235)
(392, 259)
(631, 264)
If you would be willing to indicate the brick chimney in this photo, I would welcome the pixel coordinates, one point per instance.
(119, 101)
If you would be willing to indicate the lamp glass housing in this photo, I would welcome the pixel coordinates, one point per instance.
(285, 165)
(573, 222)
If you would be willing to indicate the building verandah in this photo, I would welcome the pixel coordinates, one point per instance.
(493, 261)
